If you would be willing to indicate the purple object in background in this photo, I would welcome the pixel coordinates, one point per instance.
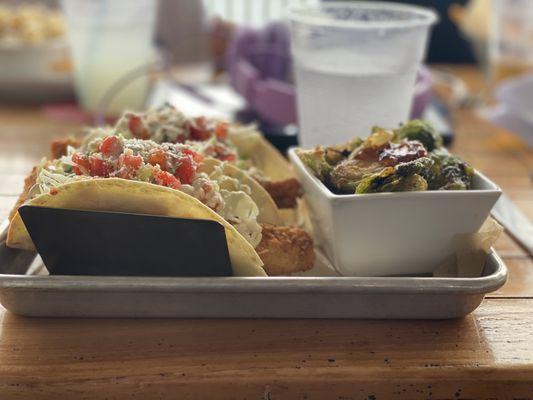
(515, 109)
(423, 93)
(260, 65)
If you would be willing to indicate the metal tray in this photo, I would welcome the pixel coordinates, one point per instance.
(22, 292)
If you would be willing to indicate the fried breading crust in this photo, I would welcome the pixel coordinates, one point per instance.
(285, 193)
(285, 250)
(58, 147)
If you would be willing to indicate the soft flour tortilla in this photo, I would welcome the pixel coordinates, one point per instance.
(265, 157)
(115, 194)
(268, 211)
(252, 145)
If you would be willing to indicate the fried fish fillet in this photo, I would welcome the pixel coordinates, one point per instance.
(285, 250)
(285, 193)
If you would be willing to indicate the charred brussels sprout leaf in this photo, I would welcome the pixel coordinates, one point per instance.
(347, 147)
(333, 156)
(378, 139)
(421, 131)
(371, 183)
(404, 177)
(322, 160)
(316, 161)
(417, 166)
(411, 183)
(347, 175)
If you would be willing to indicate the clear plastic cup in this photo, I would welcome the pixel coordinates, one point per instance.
(111, 41)
(355, 66)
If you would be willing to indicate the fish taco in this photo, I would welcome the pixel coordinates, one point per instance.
(242, 146)
(113, 173)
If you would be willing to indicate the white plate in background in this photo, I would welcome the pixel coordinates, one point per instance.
(36, 73)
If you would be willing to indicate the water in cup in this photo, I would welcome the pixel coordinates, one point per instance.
(355, 98)
(111, 42)
(98, 71)
(355, 66)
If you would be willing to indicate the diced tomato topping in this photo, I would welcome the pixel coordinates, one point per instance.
(137, 128)
(130, 161)
(128, 165)
(126, 173)
(197, 157)
(110, 146)
(163, 178)
(181, 139)
(83, 165)
(158, 157)
(99, 167)
(198, 129)
(53, 191)
(224, 154)
(186, 169)
(228, 157)
(221, 130)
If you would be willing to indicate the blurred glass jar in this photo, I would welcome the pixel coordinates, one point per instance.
(112, 47)
(511, 39)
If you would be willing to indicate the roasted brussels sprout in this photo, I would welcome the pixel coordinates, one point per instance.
(411, 183)
(377, 139)
(347, 175)
(404, 177)
(346, 148)
(409, 159)
(448, 172)
(316, 160)
(421, 131)
(333, 156)
(371, 183)
(417, 166)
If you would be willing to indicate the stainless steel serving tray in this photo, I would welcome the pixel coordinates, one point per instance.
(273, 297)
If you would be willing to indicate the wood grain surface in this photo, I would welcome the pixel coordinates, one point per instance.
(487, 355)
(479, 356)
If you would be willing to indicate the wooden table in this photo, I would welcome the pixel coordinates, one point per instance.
(487, 355)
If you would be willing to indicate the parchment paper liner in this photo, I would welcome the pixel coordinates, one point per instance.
(471, 251)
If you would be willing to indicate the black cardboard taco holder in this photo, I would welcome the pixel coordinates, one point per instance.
(25, 291)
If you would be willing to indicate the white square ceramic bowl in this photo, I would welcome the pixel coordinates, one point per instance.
(392, 233)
